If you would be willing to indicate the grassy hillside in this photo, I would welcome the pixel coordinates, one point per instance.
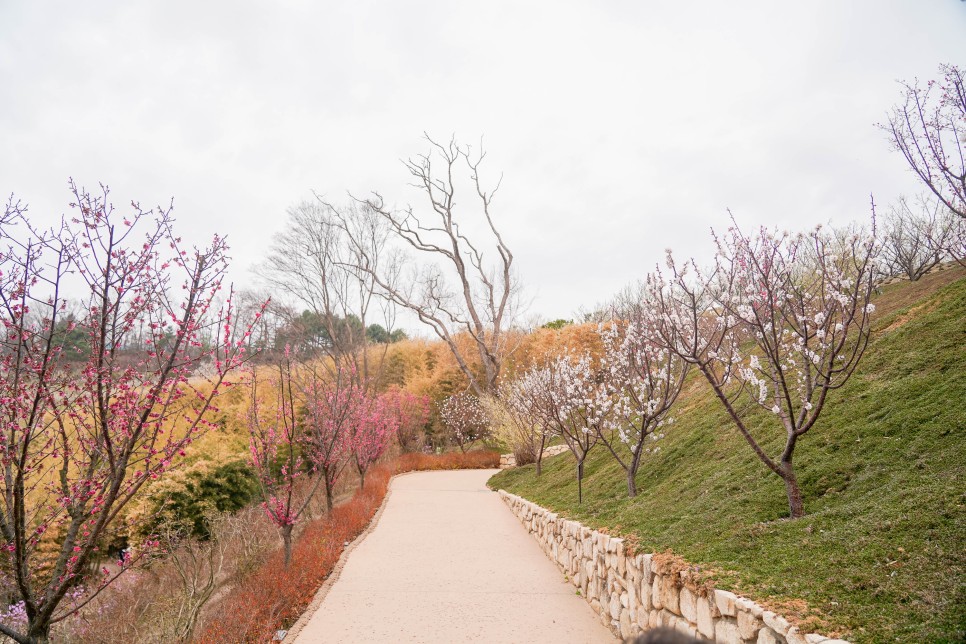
(881, 555)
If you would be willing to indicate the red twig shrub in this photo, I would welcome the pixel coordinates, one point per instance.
(274, 595)
(450, 461)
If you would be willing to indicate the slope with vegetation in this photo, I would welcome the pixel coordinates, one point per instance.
(879, 555)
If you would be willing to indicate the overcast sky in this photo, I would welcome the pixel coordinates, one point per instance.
(620, 128)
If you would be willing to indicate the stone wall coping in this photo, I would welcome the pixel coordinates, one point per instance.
(631, 594)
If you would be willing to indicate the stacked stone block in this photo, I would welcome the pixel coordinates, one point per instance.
(509, 460)
(635, 593)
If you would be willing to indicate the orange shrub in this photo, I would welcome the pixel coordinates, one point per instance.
(449, 461)
(274, 595)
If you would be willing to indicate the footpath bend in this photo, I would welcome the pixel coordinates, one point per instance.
(448, 562)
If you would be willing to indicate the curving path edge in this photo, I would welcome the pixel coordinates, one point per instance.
(446, 561)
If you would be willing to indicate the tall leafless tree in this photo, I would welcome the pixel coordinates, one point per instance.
(929, 128)
(485, 299)
(312, 263)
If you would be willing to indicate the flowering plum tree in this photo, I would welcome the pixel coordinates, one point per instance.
(643, 378)
(783, 319)
(572, 405)
(929, 129)
(374, 426)
(528, 434)
(465, 418)
(411, 413)
(277, 445)
(332, 398)
(79, 438)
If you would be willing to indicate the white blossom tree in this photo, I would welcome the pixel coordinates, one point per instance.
(643, 379)
(465, 419)
(572, 405)
(956, 242)
(781, 320)
(528, 433)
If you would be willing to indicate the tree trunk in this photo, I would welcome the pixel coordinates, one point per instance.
(631, 483)
(580, 481)
(287, 541)
(362, 479)
(796, 508)
(39, 633)
(328, 495)
(539, 459)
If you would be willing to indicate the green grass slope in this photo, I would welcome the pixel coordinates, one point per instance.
(881, 554)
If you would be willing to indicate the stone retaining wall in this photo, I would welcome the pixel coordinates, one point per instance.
(508, 460)
(635, 593)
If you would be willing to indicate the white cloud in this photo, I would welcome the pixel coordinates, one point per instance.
(621, 128)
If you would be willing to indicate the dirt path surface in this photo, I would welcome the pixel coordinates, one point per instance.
(448, 562)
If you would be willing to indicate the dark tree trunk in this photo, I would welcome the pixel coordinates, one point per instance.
(39, 633)
(287, 541)
(632, 468)
(329, 501)
(796, 507)
(580, 481)
(631, 484)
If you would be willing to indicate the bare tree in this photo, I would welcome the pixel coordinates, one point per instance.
(200, 567)
(485, 299)
(311, 262)
(267, 319)
(917, 237)
(929, 129)
(781, 320)
(955, 244)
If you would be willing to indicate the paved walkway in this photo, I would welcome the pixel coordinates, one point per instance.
(448, 562)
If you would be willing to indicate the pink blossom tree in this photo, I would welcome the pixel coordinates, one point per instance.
(78, 439)
(375, 424)
(780, 320)
(332, 398)
(929, 129)
(277, 445)
(411, 412)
